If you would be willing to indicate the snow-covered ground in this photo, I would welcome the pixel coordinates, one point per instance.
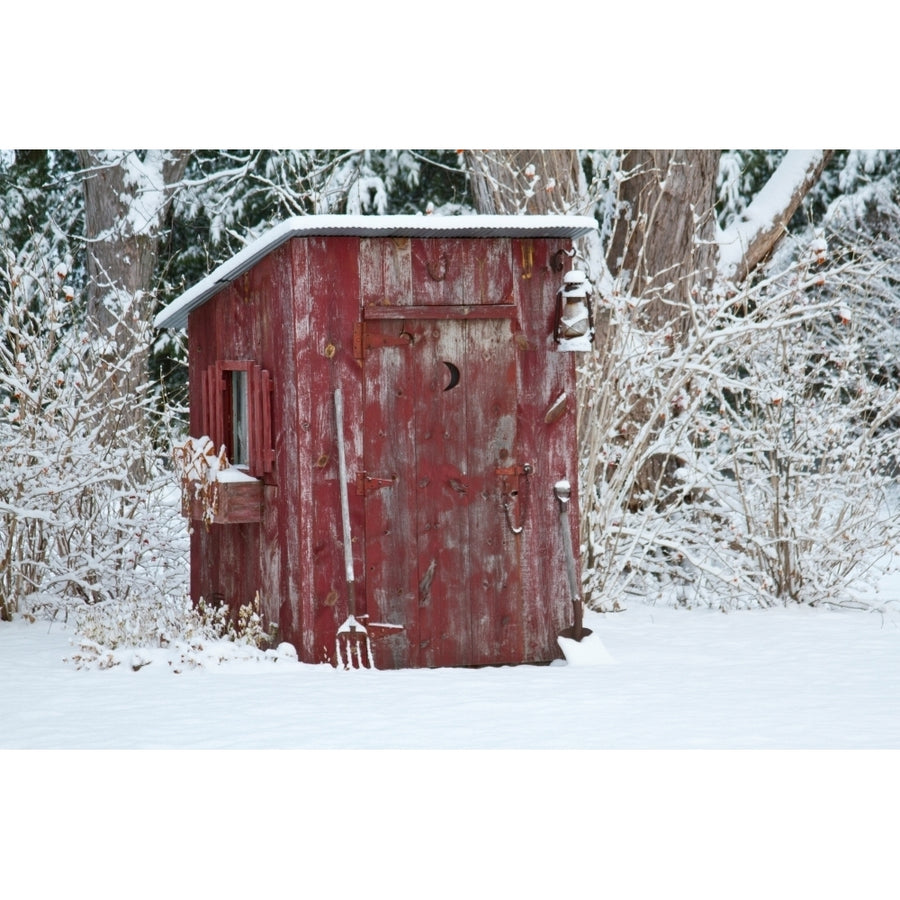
(780, 678)
(522, 825)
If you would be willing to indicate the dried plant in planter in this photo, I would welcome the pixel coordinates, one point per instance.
(212, 490)
(197, 464)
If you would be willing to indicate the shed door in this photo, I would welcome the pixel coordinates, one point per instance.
(442, 556)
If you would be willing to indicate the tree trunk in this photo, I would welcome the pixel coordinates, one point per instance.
(126, 198)
(538, 182)
(661, 251)
(663, 244)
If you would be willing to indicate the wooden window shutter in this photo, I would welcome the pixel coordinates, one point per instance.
(205, 404)
(212, 388)
(213, 413)
(215, 393)
(259, 401)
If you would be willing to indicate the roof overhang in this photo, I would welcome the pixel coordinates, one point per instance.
(175, 315)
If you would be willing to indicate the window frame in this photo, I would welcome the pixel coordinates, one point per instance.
(218, 383)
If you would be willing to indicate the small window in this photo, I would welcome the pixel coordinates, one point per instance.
(239, 445)
(236, 413)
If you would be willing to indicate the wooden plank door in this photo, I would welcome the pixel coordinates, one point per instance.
(442, 555)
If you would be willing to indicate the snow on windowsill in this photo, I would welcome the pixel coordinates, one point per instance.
(199, 461)
(234, 473)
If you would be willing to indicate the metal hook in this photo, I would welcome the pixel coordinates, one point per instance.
(511, 494)
(515, 529)
(558, 263)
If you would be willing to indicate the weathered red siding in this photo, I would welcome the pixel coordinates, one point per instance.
(455, 525)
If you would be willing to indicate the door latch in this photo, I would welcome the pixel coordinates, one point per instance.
(366, 483)
(365, 339)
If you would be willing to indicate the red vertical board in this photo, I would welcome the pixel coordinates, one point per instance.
(492, 277)
(385, 272)
(258, 317)
(442, 273)
(327, 362)
(201, 354)
(296, 488)
(547, 417)
(494, 560)
(444, 492)
(391, 579)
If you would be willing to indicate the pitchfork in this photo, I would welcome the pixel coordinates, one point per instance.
(353, 647)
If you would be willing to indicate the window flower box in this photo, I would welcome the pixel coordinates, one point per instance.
(212, 491)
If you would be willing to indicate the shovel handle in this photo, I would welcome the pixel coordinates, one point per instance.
(342, 473)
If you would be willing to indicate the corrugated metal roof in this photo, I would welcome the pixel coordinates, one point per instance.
(175, 315)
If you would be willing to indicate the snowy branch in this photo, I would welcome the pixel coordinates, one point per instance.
(750, 238)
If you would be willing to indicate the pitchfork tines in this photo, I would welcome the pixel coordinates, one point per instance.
(353, 648)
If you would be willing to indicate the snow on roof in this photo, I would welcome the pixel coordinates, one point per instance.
(175, 315)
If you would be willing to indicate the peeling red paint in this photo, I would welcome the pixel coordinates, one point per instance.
(459, 419)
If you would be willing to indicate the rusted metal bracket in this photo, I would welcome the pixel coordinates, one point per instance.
(366, 483)
(527, 259)
(364, 339)
(378, 630)
(557, 261)
(526, 469)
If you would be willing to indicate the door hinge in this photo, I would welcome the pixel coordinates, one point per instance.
(378, 630)
(365, 339)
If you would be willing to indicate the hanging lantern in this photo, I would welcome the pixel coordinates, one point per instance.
(574, 328)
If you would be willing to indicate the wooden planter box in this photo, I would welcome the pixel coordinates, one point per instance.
(226, 503)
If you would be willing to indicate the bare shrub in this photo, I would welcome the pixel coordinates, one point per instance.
(749, 462)
(82, 519)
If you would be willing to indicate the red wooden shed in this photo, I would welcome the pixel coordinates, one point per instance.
(441, 336)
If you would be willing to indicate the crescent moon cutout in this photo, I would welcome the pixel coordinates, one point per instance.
(454, 375)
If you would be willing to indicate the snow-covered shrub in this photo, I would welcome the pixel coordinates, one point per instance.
(87, 508)
(748, 463)
(172, 628)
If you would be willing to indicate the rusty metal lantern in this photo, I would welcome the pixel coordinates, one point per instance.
(574, 328)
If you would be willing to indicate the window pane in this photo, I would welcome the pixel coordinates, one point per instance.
(239, 442)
